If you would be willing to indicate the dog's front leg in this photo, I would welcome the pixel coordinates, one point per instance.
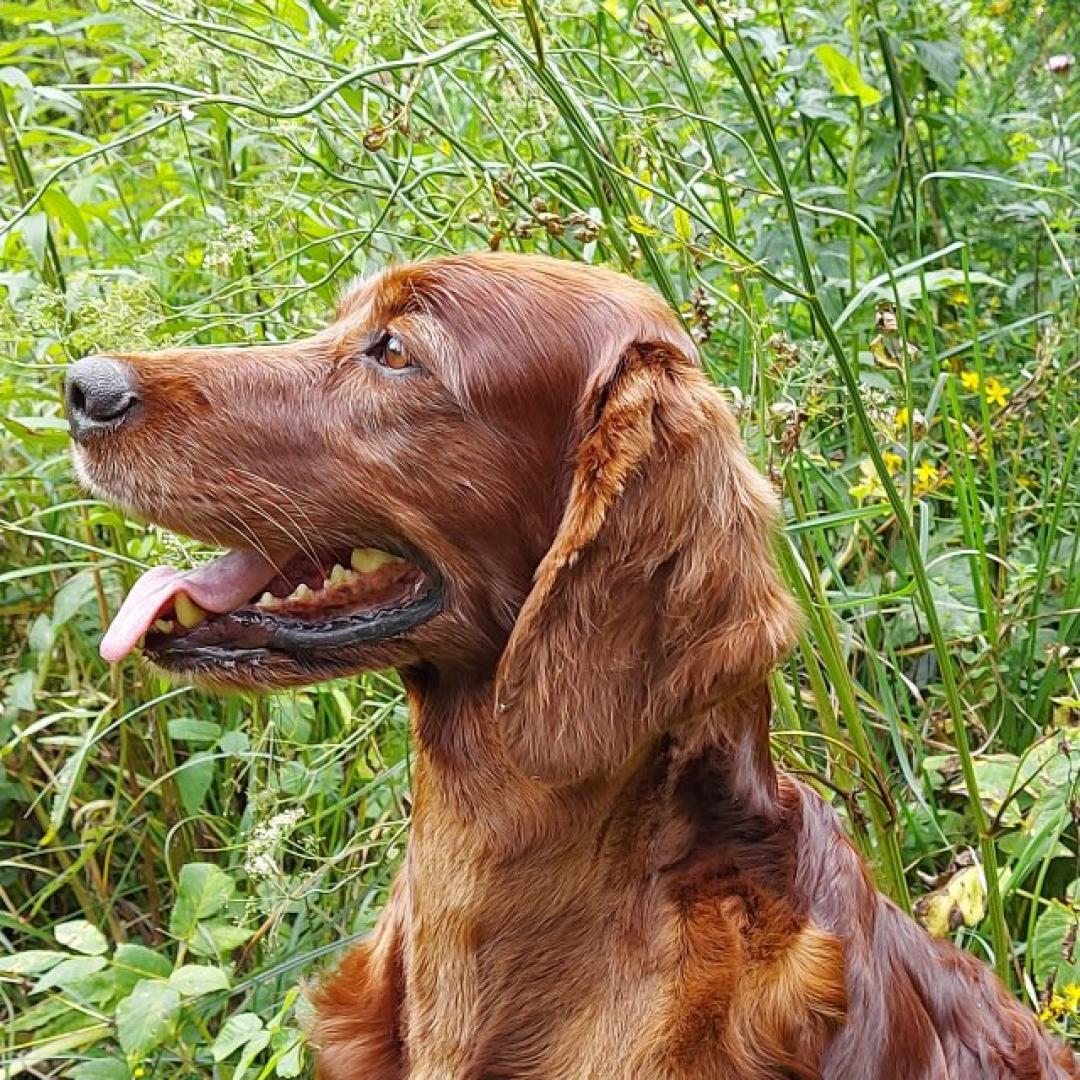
(358, 1008)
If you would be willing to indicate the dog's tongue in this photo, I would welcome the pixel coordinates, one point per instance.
(219, 586)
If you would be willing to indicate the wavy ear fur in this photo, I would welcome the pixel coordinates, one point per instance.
(658, 596)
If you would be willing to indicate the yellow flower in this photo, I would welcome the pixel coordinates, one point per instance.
(870, 485)
(893, 462)
(970, 379)
(1063, 1004)
(996, 393)
(1053, 1009)
(927, 477)
(913, 420)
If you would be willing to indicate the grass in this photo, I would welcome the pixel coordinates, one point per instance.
(867, 214)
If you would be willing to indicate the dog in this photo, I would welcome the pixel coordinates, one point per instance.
(508, 478)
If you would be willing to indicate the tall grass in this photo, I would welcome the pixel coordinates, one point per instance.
(866, 213)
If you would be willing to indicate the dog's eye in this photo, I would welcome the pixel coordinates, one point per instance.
(387, 351)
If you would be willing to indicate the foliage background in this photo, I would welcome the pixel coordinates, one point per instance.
(867, 213)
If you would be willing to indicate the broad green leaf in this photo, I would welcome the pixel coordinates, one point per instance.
(57, 203)
(215, 939)
(76, 592)
(145, 1018)
(252, 1048)
(234, 743)
(291, 1049)
(70, 972)
(193, 779)
(237, 1031)
(845, 77)
(101, 1069)
(188, 729)
(943, 61)
(1054, 946)
(34, 229)
(30, 962)
(203, 891)
(82, 937)
(194, 980)
(133, 962)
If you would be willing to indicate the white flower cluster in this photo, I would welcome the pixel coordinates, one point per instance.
(264, 846)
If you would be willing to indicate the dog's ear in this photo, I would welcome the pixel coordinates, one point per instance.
(658, 596)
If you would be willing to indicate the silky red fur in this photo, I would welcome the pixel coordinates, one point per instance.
(607, 877)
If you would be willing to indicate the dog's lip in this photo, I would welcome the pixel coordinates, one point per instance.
(248, 634)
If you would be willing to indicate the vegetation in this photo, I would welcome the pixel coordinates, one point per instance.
(867, 213)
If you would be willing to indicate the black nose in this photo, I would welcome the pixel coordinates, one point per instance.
(100, 394)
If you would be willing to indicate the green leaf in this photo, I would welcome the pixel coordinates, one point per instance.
(12, 76)
(193, 780)
(203, 891)
(909, 289)
(216, 939)
(237, 1031)
(943, 61)
(327, 14)
(82, 937)
(34, 229)
(684, 228)
(194, 980)
(101, 1069)
(845, 77)
(187, 729)
(72, 597)
(640, 226)
(234, 743)
(133, 962)
(290, 1063)
(30, 962)
(69, 972)
(43, 430)
(60, 206)
(20, 692)
(145, 1018)
(1054, 946)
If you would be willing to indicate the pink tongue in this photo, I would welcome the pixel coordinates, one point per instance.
(218, 586)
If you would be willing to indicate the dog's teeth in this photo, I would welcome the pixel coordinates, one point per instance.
(188, 613)
(266, 600)
(365, 560)
(339, 574)
(164, 626)
(301, 592)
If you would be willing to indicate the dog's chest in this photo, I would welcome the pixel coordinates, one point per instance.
(557, 1005)
(542, 977)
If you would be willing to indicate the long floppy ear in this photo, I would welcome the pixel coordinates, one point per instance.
(658, 596)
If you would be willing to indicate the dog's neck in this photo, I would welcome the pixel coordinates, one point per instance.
(720, 756)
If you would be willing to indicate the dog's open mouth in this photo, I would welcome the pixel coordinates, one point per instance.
(243, 604)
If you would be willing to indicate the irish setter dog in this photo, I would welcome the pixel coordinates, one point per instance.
(508, 478)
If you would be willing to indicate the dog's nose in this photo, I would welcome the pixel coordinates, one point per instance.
(100, 394)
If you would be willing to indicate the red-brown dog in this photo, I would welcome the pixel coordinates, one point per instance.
(507, 478)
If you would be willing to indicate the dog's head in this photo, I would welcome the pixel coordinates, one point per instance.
(488, 467)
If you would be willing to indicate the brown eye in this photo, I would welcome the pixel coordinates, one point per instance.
(387, 351)
(393, 355)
